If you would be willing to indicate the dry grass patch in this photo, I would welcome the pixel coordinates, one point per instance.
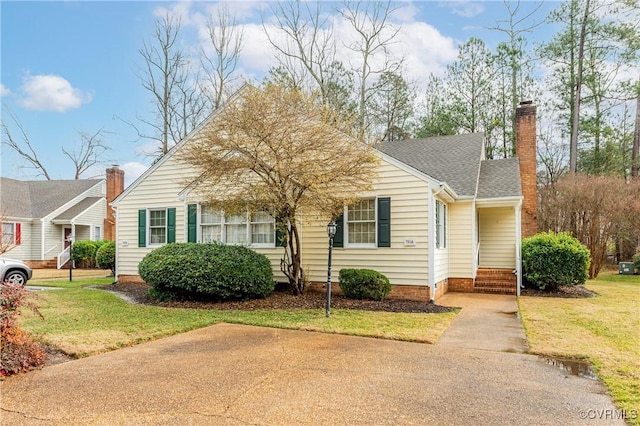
(604, 329)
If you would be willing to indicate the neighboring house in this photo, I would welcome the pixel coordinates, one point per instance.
(38, 216)
(439, 218)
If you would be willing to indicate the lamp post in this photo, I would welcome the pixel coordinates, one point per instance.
(331, 231)
(70, 239)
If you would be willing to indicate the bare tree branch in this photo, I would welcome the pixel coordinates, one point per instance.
(23, 147)
(91, 151)
(227, 40)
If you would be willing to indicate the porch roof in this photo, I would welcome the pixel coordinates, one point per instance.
(499, 179)
(76, 210)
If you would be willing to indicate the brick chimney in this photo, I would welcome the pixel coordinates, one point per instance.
(526, 152)
(115, 186)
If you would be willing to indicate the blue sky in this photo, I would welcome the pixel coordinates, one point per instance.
(72, 66)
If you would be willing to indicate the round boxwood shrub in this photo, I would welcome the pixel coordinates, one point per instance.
(551, 260)
(83, 253)
(106, 256)
(207, 271)
(364, 284)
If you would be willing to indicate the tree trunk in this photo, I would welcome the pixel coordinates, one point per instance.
(575, 123)
(635, 161)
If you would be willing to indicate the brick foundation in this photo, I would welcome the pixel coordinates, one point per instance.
(130, 279)
(405, 292)
(461, 285)
(42, 264)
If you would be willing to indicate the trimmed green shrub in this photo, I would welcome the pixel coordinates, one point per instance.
(551, 260)
(212, 271)
(106, 256)
(364, 284)
(83, 253)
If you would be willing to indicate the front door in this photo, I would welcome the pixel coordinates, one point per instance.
(67, 232)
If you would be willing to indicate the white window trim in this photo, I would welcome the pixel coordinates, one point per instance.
(440, 231)
(166, 226)
(345, 227)
(223, 231)
(13, 233)
(95, 228)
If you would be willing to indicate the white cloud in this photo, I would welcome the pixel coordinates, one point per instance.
(4, 91)
(465, 8)
(132, 171)
(51, 93)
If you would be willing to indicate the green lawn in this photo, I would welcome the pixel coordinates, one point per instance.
(604, 329)
(82, 321)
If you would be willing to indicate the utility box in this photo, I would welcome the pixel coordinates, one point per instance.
(625, 268)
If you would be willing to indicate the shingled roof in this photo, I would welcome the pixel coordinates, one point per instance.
(499, 179)
(456, 160)
(38, 198)
(451, 159)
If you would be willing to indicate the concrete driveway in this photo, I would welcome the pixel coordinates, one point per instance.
(241, 375)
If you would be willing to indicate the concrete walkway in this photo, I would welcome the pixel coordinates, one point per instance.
(487, 321)
(242, 375)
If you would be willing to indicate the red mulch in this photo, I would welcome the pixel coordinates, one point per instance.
(278, 300)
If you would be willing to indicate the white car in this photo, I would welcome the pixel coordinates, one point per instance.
(14, 271)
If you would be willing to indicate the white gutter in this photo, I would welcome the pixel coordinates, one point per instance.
(42, 242)
(518, 211)
(432, 246)
(115, 268)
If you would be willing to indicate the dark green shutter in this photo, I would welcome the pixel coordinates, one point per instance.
(444, 225)
(192, 222)
(384, 222)
(142, 228)
(171, 225)
(338, 240)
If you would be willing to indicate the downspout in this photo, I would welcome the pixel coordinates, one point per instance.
(518, 210)
(432, 245)
(42, 239)
(117, 239)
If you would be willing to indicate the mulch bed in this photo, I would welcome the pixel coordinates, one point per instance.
(137, 293)
(569, 292)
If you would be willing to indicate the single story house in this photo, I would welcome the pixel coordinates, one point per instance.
(440, 217)
(38, 216)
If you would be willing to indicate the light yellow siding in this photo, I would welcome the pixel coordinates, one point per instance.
(403, 265)
(159, 190)
(94, 215)
(497, 237)
(35, 240)
(461, 239)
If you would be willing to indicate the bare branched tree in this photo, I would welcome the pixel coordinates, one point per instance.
(375, 35)
(278, 150)
(90, 152)
(221, 60)
(22, 145)
(308, 48)
(166, 75)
